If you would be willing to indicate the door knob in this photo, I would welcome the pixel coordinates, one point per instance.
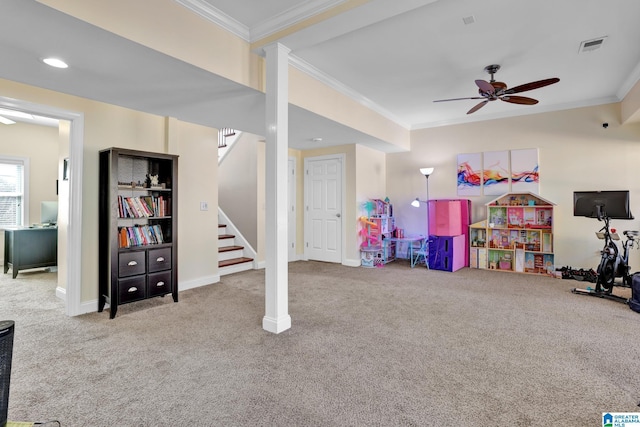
(338, 215)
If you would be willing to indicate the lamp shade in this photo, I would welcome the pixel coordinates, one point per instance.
(426, 171)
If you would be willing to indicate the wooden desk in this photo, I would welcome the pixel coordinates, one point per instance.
(26, 248)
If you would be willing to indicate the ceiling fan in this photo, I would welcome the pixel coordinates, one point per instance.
(492, 90)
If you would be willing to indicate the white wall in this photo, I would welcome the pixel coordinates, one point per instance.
(575, 153)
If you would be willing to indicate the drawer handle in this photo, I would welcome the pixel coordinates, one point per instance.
(160, 284)
(160, 259)
(132, 263)
(132, 289)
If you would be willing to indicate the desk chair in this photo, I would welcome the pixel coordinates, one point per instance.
(422, 254)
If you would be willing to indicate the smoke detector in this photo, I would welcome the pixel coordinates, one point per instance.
(591, 45)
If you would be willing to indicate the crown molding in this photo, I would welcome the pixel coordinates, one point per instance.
(264, 29)
(629, 83)
(291, 17)
(219, 18)
(312, 71)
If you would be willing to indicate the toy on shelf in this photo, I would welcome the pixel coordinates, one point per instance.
(369, 239)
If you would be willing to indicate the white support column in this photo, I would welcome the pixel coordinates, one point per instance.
(276, 318)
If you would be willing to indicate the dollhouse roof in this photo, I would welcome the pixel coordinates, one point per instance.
(526, 194)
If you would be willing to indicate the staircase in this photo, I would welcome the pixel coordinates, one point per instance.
(231, 257)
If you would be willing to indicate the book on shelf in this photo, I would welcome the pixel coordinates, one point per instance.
(143, 206)
(140, 235)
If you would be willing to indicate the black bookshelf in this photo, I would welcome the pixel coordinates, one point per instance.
(138, 224)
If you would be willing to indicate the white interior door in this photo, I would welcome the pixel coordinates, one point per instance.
(292, 208)
(323, 208)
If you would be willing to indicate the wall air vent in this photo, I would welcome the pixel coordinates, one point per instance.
(591, 45)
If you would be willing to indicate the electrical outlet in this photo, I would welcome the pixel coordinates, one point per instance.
(204, 206)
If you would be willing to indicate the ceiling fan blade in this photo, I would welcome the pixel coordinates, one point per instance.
(478, 106)
(533, 85)
(485, 87)
(459, 99)
(519, 100)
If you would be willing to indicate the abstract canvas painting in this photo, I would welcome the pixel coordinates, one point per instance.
(525, 175)
(469, 174)
(495, 173)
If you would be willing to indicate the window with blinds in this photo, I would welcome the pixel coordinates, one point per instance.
(12, 190)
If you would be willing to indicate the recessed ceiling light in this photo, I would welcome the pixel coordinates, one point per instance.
(6, 121)
(316, 139)
(55, 62)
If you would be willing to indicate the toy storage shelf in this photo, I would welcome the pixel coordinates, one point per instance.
(517, 235)
(376, 250)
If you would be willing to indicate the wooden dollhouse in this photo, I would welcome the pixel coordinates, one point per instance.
(516, 236)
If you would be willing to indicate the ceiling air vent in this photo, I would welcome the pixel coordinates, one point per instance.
(591, 45)
(469, 20)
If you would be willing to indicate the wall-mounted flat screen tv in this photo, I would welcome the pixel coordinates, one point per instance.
(598, 204)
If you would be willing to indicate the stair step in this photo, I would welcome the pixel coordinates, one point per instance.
(230, 248)
(233, 261)
(226, 236)
(222, 225)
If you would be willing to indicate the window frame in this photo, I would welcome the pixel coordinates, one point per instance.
(24, 161)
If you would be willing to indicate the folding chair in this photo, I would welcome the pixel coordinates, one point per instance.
(422, 254)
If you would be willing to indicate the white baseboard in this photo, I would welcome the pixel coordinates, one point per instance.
(61, 293)
(196, 283)
(351, 263)
(276, 326)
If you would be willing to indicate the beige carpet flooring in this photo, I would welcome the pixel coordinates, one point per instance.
(391, 346)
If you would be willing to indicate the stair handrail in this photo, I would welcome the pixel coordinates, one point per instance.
(230, 143)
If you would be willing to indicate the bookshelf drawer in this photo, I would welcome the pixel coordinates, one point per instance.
(131, 289)
(159, 259)
(131, 263)
(159, 283)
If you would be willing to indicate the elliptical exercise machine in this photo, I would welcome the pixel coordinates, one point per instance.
(613, 264)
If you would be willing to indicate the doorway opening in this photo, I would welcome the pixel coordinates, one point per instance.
(72, 236)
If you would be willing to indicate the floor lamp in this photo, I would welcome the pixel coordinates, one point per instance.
(416, 203)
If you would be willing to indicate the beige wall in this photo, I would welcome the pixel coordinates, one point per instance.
(197, 147)
(180, 33)
(575, 153)
(40, 145)
(169, 28)
(370, 182)
(107, 126)
(312, 95)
